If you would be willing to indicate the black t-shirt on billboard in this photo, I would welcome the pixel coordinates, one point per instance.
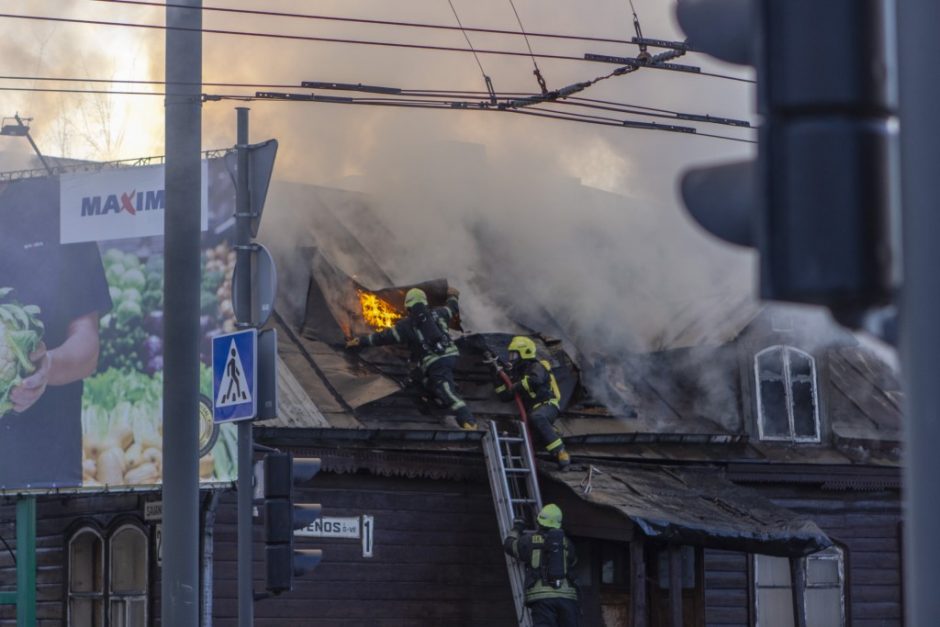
(42, 447)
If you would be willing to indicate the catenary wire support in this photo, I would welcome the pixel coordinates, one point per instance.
(537, 72)
(644, 55)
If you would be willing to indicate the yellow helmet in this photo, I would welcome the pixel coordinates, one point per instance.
(550, 516)
(524, 346)
(414, 296)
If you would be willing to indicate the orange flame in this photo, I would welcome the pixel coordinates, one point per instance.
(377, 313)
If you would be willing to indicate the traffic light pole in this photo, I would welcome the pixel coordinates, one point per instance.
(183, 119)
(918, 49)
(245, 470)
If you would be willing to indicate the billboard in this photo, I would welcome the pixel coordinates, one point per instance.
(81, 327)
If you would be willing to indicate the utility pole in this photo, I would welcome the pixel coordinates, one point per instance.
(182, 271)
(918, 48)
(243, 248)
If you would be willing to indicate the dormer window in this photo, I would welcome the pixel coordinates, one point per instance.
(787, 407)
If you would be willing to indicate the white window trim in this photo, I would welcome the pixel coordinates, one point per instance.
(123, 596)
(832, 553)
(788, 391)
(102, 594)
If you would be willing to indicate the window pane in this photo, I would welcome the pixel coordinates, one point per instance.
(772, 571)
(774, 607)
(129, 561)
(822, 571)
(85, 612)
(770, 364)
(824, 607)
(801, 366)
(118, 612)
(85, 563)
(773, 401)
(137, 614)
(804, 409)
(608, 571)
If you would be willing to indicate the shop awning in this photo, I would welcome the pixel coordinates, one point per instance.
(689, 506)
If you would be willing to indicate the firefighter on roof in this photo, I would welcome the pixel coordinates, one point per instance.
(533, 381)
(424, 331)
(549, 557)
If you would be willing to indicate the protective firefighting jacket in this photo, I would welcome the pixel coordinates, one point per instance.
(424, 331)
(533, 380)
(531, 549)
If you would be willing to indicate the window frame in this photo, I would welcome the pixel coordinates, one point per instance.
(785, 351)
(834, 553)
(106, 538)
(126, 597)
(101, 594)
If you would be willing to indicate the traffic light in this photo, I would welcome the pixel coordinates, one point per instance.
(821, 202)
(282, 516)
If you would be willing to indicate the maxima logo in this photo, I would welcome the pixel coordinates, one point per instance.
(130, 202)
(121, 203)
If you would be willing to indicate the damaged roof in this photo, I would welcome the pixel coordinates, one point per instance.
(681, 403)
(694, 506)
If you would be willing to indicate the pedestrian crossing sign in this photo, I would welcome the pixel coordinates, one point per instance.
(235, 376)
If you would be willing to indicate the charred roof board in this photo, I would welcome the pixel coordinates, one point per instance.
(694, 506)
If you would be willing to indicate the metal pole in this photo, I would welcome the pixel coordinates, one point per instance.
(26, 561)
(180, 580)
(918, 48)
(243, 296)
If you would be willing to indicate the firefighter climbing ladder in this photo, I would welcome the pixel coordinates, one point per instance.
(510, 465)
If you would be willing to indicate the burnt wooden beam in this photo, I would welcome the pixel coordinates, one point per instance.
(675, 585)
(638, 582)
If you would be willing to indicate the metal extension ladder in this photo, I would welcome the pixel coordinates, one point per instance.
(510, 466)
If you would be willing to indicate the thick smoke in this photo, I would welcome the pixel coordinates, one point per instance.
(569, 228)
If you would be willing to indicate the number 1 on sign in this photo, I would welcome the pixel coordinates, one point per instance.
(367, 524)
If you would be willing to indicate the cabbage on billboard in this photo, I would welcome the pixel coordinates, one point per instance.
(81, 327)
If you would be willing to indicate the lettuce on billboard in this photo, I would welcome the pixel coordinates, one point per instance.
(81, 276)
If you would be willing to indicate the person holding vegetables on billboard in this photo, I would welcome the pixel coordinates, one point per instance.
(51, 298)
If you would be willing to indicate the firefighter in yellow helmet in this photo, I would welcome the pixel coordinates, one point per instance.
(424, 331)
(549, 558)
(533, 380)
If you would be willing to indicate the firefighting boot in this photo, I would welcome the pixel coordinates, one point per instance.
(563, 459)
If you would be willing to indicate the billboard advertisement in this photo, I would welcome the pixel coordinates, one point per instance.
(81, 327)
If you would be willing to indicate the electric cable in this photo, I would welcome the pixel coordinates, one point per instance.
(428, 95)
(538, 73)
(311, 38)
(356, 20)
(486, 79)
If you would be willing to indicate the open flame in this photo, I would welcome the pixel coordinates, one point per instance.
(377, 313)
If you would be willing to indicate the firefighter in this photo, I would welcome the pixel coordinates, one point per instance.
(533, 381)
(549, 557)
(424, 331)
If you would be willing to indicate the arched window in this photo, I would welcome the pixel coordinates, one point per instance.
(108, 577)
(787, 402)
(127, 599)
(86, 579)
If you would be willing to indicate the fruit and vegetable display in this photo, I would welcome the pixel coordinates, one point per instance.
(20, 334)
(122, 404)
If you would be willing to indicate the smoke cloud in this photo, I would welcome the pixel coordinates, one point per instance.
(570, 228)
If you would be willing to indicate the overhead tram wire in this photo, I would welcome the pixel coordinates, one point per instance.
(311, 38)
(356, 20)
(428, 94)
(538, 73)
(486, 79)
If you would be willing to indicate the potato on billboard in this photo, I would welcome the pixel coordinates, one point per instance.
(81, 327)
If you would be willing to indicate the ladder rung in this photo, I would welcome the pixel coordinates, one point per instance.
(511, 439)
(519, 471)
(522, 501)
